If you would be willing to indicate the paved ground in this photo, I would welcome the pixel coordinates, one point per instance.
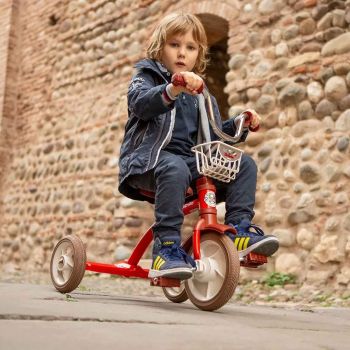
(36, 317)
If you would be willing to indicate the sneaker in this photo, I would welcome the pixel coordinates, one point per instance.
(171, 261)
(247, 241)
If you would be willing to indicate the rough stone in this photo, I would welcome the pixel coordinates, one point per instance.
(254, 139)
(304, 58)
(332, 33)
(333, 174)
(311, 47)
(286, 238)
(309, 173)
(338, 19)
(315, 92)
(343, 143)
(281, 50)
(280, 63)
(253, 94)
(300, 217)
(276, 36)
(341, 68)
(237, 61)
(288, 263)
(291, 94)
(306, 154)
(325, 73)
(319, 11)
(265, 164)
(338, 45)
(267, 6)
(265, 104)
(307, 26)
(330, 248)
(291, 32)
(335, 89)
(344, 103)
(262, 69)
(305, 238)
(346, 224)
(133, 222)
(122, 252)
(332, 224)
(305, 110)
(305, 201)
(325, 22)
(325, 108)
(305, 126)
(343, 122)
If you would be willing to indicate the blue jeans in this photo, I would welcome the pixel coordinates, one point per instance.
(172, 176)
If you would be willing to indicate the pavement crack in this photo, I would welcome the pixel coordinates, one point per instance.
(19, 317)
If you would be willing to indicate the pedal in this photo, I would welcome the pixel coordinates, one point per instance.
(164, 282)
(253, 260)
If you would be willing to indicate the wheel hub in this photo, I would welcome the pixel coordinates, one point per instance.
(62, 263)
(205, 270)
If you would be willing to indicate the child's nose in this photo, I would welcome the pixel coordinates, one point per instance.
(182, 51)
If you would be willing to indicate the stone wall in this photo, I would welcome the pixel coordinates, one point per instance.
(287, 59)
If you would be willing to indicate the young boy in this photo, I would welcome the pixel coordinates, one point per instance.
(156, 151)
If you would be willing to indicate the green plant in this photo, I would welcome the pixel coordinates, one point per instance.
(70, 298)
(279, 279)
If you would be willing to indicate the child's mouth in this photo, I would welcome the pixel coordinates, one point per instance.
(180, 64)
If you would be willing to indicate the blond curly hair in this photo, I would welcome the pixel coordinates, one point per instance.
(175, 24)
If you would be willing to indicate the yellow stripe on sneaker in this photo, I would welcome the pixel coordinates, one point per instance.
(246, 243)
(159, 263)
(237, 241)
(156, 262)
(240, 246)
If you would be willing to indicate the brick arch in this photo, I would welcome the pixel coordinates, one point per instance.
(219, 8)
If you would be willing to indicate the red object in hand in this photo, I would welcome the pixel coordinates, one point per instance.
(178, 80)
(248, 120)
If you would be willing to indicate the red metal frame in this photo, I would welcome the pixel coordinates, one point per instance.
(207, 222)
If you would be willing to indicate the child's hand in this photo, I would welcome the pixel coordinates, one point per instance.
(193, 83)
(253, 123)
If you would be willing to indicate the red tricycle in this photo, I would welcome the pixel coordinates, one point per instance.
(217, 259)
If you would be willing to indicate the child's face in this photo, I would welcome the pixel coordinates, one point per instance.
(180, 53)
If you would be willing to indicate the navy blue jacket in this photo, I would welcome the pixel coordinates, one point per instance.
(150, 123)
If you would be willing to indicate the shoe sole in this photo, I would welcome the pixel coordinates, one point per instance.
(266, 247)
(179, 273)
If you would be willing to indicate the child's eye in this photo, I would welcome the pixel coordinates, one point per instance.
(191, 48)
(174, 44)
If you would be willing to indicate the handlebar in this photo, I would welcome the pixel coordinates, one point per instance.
(178, 80)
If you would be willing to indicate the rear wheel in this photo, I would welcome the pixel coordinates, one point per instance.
(216, 279)
(176, 294)
(68, 262)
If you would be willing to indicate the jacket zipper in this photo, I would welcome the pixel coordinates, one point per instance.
(168, 136)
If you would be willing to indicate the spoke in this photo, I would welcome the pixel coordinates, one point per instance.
(214, 287)
(217, 256)
(66, 274)
(202, 288)
(69, 251)
(69, 261)
(210, 250)
(219, 269)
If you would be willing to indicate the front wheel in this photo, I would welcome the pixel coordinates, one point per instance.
(68, 262)
(216, 279)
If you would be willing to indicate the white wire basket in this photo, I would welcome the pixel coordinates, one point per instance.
(218, 160)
